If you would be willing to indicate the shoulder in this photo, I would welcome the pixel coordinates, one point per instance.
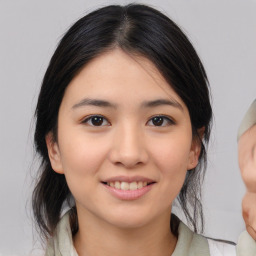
(61, 244)
(190, 243)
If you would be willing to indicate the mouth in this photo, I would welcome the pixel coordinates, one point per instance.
(128, 187)
(123, 185)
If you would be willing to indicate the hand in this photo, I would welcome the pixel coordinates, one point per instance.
(247, 164)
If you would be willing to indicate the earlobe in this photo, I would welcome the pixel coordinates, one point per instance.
(193, 157)
(195, 149)
(54, 153)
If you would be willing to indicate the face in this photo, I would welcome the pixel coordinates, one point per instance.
(124, 141)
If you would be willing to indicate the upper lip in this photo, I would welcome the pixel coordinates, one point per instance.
(128, 179)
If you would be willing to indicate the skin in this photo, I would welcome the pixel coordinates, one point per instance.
(127, 143)
(247, 163)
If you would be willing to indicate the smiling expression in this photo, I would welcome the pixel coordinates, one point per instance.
(124, 141)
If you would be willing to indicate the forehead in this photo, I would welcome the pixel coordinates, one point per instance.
(122, 77)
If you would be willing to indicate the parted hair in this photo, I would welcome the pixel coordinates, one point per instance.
(136, 29)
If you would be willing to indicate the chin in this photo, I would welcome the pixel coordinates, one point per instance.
(129, 220)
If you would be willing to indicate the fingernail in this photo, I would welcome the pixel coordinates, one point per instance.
(248, 121)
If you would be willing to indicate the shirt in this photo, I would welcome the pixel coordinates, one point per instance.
(188, 244)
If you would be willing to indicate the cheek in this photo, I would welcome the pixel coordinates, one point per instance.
(172, 161)
(172, 157)
(82, 158)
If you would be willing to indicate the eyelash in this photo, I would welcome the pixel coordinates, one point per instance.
(89, 119)
(168, 121)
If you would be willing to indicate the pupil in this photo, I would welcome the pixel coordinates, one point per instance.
(97, 121)
(158, 120)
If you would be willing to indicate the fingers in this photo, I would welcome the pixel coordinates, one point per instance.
(247, 164)
(251, 232)
(247, 158)
(249, 213)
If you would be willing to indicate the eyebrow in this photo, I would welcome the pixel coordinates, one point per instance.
(145, 104)
(160, 102)
(94, 102)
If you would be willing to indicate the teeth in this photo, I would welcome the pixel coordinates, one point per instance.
(133, 186)
(127, 186)
(117, 184)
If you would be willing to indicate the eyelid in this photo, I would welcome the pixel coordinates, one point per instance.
(86, 119)
(169, 119)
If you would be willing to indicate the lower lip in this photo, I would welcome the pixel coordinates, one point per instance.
(129, 194)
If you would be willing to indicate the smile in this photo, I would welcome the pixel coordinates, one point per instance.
(122, 185)
(128, 188)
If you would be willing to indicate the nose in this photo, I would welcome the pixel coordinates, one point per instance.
(128, 148)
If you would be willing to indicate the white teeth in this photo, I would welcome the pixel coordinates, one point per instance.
(127, 186)
(117, 185)
(133, 185)
(140, 184)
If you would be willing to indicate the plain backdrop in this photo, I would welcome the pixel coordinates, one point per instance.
(224, 34)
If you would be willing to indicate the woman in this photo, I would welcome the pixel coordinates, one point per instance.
(123, 119)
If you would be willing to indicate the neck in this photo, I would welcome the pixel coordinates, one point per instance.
(97, 238)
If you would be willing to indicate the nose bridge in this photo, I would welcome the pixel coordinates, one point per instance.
(128, 145)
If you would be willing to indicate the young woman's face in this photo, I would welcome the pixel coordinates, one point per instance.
(124, 141)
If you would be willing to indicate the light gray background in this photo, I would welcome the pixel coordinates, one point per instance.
(224, 34)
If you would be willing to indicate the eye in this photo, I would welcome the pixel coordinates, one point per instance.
(96, 120)
(160, 121)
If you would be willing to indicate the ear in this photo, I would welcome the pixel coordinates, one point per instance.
(54, 153)
(195, 149)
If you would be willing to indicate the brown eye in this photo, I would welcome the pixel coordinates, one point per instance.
(96, 120)
(157, 121)
(160, 121)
